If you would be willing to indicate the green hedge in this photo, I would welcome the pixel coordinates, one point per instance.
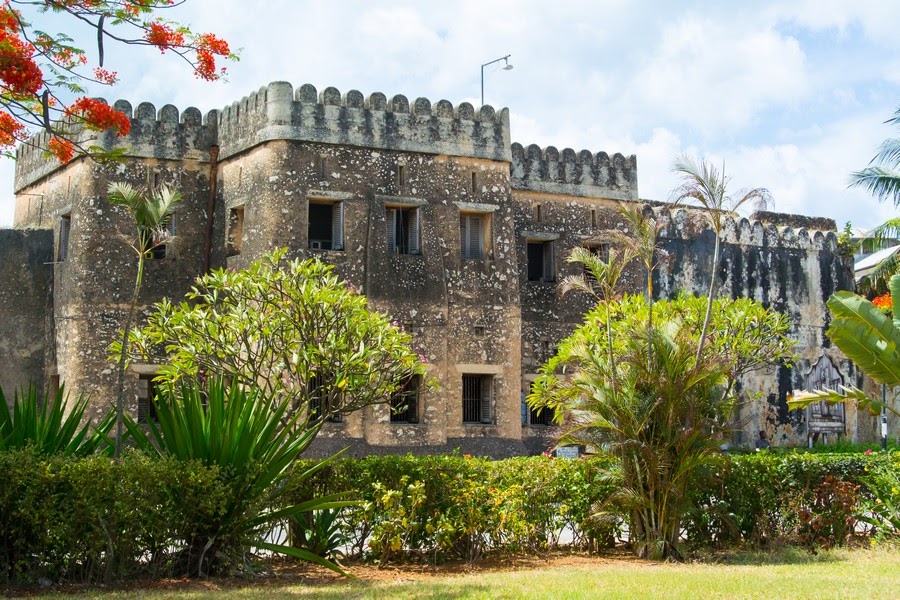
(94, 519)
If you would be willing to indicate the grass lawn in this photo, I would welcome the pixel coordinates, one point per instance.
(787, 574)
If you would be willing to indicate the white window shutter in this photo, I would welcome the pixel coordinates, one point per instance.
(486, 385)
(548, 261)
(414, 231)
(391, 217)
(337, 226)
(476, 242)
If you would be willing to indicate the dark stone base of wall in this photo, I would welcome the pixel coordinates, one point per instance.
(486, 447)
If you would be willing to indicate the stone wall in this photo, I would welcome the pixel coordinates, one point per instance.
(282, 166)
(25, 304)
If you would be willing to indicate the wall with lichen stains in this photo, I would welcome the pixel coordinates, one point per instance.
(25, 303)
(266, 157)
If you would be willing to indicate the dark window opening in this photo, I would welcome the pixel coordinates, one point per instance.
(403, 230)
(405, 402)
(601, 251)
(540, 261)
(476, 397)
(326, 226)
(401, 176)
(471, 236)
(593, 218)
(323, 168)
(474, 181)
(235, 230)
(537, 213)
(65, 226)
(479, 330)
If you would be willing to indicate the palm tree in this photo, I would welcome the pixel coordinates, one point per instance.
(882, 177)
(702, 183)
(600, 279)
(870, 339)
(152, 211)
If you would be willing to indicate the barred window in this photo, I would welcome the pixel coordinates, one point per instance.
(477, 394)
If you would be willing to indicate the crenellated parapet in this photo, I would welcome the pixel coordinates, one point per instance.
(583, 174)
(162, 134)
(770, 229)
(277, 112)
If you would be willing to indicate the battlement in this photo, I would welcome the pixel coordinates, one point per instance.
(582, 174)
(163, 134)
(775, 230)
(276, 112)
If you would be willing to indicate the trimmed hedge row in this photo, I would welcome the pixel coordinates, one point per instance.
(94, 519)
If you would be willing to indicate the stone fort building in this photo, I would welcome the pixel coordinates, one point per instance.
(431, 211)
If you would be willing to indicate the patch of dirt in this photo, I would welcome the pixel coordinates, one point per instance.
(285, 572)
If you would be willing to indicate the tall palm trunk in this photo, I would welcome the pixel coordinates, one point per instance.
(709, 298)
(129, 320)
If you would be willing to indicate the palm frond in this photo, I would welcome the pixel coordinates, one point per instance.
(881, 182)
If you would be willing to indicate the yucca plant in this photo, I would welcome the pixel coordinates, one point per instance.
(51, 425)
(253, 442)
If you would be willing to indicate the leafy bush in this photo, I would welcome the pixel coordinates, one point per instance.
(829, 520)
(881, 507)
(88, 519)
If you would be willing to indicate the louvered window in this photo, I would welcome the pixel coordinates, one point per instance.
(472, 228)
(326, 225)
(477, 395)
(403, 230)
(146, 398)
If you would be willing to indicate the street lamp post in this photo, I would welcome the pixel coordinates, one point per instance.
(506, 67)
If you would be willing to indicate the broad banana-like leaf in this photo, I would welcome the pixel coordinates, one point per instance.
(848, 393)
(866, 336)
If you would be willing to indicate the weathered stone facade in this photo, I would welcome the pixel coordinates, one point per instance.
(428, 209)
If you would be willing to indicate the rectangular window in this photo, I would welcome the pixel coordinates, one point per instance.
(147, 391)
(235, 230)
(65, 226)
(601, 251)
(401, 176)
(541, 417)
(472, 229)
(476, 396)
(540, 261)
(160, 248)
(405, 402)
(403, 230)
(321, 400)
(326, 225)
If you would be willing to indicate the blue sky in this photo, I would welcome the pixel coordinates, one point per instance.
(791, 96)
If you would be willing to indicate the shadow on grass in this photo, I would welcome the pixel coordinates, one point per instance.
(781, 556)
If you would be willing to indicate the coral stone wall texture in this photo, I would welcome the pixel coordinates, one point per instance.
(428, 209)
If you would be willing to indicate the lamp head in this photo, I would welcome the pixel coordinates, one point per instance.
(507, 67)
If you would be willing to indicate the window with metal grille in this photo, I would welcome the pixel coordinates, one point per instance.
(472, 229)
(405, 402)
(147, 390)
(65, 226)
(540, 261)
(326, 225)
(403, 230)
(321, 400)
(541, 417)
(476, 397)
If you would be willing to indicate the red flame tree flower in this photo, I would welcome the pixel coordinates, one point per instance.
(40, 72)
